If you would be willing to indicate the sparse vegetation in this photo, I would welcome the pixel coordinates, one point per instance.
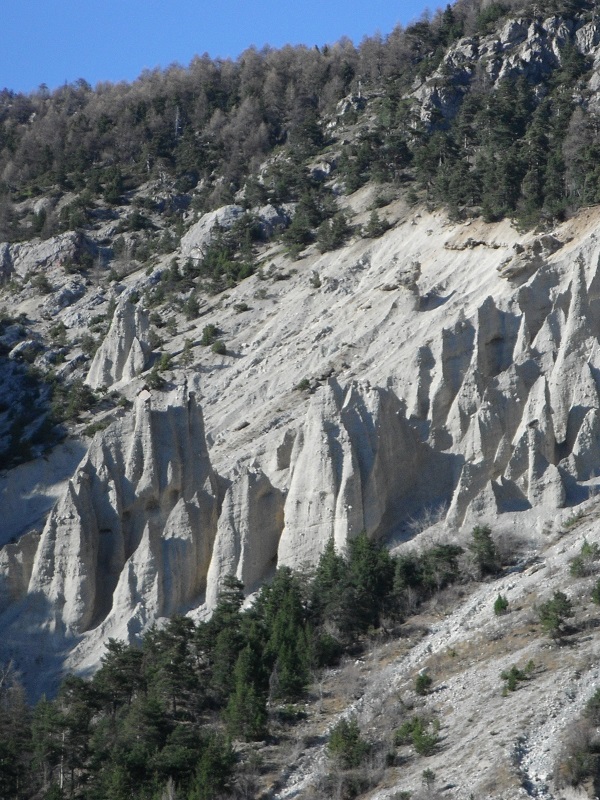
(514, 676)
(554, 613)
(586, 563)
(346, 745)
(420, 732)
(209, 335)
(158, 720)
(484, 551)
(423, 683)
(500, 605)
(303, 385)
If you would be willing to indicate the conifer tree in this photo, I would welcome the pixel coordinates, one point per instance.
(246, 711)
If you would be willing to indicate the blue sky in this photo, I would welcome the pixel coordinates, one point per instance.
(53, 41)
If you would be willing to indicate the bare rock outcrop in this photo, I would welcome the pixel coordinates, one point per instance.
(354, 465)
(124, 352)
(25, 257)
(248, 533)
(197, 238)
(130, 539)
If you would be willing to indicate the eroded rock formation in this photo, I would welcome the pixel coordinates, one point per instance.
(124, 352)
(468, 391)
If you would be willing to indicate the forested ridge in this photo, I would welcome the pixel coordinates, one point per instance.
(523, 148)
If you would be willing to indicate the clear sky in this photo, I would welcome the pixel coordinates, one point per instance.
(53, 41)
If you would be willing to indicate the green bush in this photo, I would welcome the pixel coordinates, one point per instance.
(219, 347)
(154, 379)
(553, 613)
(421, 732)
(333, 232)
(500, 605)
(346, 745)
(191, 307)
(512, 678)
(376, 226)
(423, 683)
(586, 562)
(484, 550)
(41, 283)
(489, 16)
(187, 354)
(209, 335)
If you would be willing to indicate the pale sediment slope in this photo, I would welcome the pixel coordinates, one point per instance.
(451, 367)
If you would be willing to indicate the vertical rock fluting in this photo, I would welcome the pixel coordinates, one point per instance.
(134, 531)
(525, 412)
(504, 417)
(355, 463)
(248, 533)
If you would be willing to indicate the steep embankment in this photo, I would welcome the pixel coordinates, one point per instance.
(446, 369)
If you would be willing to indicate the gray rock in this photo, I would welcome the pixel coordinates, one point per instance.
(67, 295)
(199, 235)
(272, 220)
(12, 334)
(124, 352)
(26, 351)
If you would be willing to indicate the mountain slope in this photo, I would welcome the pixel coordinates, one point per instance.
(379, 323)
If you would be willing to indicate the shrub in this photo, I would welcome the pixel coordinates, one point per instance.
(484, 550)
(187, 355)
(154, 379)
(333, 233)
(423, 683)
(346, 745)
(553, 613)
(209, 335)
(375, 227)
(421, 732)
(585, 563)
(489, 16)
(88, 344)
(164, 362)
(41, 283)
(500, 605)
(69, 400)
(315, 280)
(219, 347)
(191, 307)
(512, 678)
(58, 333)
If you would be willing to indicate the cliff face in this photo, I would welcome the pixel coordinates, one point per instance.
(130, 539)
(453, 376)
(441, 375)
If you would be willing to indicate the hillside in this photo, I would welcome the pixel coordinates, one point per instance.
(221, 355)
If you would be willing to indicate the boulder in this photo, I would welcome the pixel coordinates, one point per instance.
(198, 237)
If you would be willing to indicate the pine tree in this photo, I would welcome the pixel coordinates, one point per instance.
(288, 646)
(484, 550)
(246, 712)
(224, 638)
